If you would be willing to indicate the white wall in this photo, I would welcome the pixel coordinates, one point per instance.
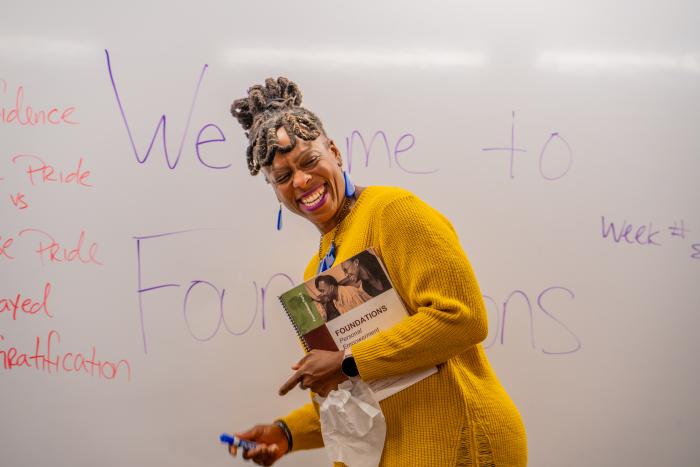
(598, 99)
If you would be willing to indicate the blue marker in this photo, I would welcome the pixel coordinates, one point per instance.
(238, 442)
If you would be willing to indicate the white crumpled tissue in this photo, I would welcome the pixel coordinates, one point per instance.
(352, 425)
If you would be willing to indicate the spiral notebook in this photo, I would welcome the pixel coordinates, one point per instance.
(348, 303)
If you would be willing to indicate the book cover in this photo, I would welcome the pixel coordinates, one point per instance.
(350, 302)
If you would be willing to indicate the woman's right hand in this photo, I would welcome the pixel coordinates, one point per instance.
(271, 444)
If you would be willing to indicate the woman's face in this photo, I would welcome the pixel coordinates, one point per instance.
(308, 179)
(351, 269)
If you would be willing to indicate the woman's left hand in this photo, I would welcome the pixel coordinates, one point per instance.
(318, 370)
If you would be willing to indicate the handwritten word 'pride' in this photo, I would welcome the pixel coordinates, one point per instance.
(38, 171)
(26, 115)
(49, 249)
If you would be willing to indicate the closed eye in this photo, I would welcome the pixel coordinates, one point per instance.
(282, 178)
(310, 161)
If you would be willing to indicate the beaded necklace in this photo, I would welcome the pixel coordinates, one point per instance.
(327, 261)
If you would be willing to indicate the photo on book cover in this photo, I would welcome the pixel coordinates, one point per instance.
(340, 289)
(334, 292)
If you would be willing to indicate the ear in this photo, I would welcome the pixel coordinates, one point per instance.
(336, 152)
(274, 188)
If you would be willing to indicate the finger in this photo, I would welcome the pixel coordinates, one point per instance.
(258, 454)
(253, 453)
(301, 361)
(251, 434)
(267, 456)
(232, 449)
(290, 383)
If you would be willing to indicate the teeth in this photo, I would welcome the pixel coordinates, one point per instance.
(313, 197)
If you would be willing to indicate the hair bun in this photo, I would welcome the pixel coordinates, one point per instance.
(276, 94)
(269, 107)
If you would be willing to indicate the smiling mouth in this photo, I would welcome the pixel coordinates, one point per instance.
(314, 199)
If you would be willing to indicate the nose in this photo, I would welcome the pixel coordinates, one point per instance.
(300, 179)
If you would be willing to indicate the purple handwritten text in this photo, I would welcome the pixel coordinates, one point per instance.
(403, 144)
(520, 296)
(161, 127)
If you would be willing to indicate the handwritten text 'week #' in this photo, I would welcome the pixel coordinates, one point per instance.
(646, 235)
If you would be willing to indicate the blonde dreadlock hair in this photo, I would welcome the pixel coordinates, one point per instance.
(265, 110)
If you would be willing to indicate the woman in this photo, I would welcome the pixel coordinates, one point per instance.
(364, 271)
(460, 415)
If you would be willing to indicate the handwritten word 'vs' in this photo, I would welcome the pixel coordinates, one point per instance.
(19, 201)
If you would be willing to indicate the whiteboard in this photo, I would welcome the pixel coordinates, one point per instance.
(558, 137)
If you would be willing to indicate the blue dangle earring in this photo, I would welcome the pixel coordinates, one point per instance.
(279, 218)
(349, 187)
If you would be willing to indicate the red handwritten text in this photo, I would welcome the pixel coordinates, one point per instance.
(19, 201)
(42, 358)
(27, 115)
(26, 305)
(4, 246)
(56, 253)
(46, 173)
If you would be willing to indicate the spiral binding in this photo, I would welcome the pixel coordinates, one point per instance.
(296, 328)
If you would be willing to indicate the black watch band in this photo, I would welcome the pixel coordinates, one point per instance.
(349, 367)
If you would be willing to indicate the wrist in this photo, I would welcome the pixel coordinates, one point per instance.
(348, 366)
(285, 432)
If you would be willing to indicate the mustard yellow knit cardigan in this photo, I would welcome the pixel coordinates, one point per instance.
(460, 416)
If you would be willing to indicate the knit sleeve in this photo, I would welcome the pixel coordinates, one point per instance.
(431, 273)
(305, 427)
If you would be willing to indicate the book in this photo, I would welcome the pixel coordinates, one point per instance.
(350, 302)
